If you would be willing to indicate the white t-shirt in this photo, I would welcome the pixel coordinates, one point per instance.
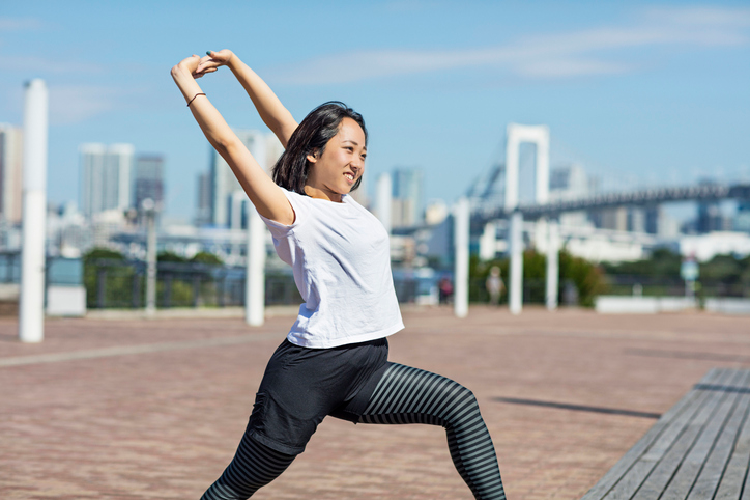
(341, 261)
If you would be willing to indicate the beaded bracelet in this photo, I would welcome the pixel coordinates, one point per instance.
(196, 95)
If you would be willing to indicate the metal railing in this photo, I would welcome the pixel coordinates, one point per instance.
(122, 284)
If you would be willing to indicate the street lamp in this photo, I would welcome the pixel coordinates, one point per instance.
(148, 210)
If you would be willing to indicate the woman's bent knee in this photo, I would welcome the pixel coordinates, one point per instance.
(254, 465)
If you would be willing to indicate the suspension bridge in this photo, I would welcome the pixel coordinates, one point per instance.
(485, 209)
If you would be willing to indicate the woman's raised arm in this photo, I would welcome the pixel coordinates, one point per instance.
(274, 114)
(267, 197)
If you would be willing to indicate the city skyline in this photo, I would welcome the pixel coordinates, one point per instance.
(635, 92)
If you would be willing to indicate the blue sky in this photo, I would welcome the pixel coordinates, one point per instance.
(638, 92)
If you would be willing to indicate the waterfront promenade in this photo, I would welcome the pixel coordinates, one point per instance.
(129, 408)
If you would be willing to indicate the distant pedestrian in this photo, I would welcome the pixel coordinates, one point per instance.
(334, 359)
(494, 285)
(445, 288)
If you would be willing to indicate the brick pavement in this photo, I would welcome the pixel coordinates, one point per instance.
(153, 409)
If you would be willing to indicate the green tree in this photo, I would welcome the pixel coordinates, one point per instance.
(723, 275)
(167, 256)
(117, 279)
(101, 253)
(204, 257)
(587, 277)
(663, 263)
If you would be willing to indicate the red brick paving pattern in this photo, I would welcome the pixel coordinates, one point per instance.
(164, 424)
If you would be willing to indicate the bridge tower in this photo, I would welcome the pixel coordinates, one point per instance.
(538, 135)
(518, 134)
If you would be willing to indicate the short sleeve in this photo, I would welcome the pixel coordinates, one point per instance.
(278, 230)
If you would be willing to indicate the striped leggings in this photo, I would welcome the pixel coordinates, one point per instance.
(404, 395)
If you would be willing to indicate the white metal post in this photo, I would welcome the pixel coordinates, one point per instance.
(516, 262)
(517, 134)
(34, 224)
(148, 209)
(461, 242)
(488, 241)
(256, 261)
(511, 168)
(542, 164)
(553, 244)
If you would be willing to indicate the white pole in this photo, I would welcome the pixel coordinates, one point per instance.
(488, 241)
(553, 243)
(542, 165)
(256, 262)
(148, 208)
(516, 262)
(383, 200)
(511, 168)
(34, 224)
(461, 242)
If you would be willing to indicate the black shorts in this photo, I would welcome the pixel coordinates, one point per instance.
(301, 386)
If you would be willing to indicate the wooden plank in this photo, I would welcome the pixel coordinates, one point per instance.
(668, 461)
(656, 483)
(735, 475)
(620, 469)
(646, 463)
(684, 479)
(708, 480)
(614, 475)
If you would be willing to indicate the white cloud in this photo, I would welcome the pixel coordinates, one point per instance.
(75, 103)
(701, 16)
(42, 66)
(566, 68)
(412, 5)
(559, 55)
(19, 23)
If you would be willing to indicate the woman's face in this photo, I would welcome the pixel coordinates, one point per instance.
(334, 172)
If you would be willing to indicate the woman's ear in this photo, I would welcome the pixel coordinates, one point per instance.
(313, 158)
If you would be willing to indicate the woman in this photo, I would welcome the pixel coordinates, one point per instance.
(333, 361)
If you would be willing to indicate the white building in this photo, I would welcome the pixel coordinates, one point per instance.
(705, 246)
(569, 182)
(149, 180)
(106, 177)
(435, 213)
(408, 187)
(265, 148)
(68, 233)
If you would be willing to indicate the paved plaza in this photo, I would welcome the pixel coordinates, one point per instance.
(130, 408)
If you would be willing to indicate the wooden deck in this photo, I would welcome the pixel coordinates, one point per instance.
(698, 450)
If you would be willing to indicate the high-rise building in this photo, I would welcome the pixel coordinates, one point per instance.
(569, 182)
(710, 217)
(237, 209)
(11, 173)
(741, 220)
(107, 177)
(274, 150)
(265, 148)
(203, 210)
(615, 218)
(408, 188)
(637, 219)
(149, 180)
(654, 219)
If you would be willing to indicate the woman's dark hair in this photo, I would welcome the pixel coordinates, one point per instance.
(311, 136)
